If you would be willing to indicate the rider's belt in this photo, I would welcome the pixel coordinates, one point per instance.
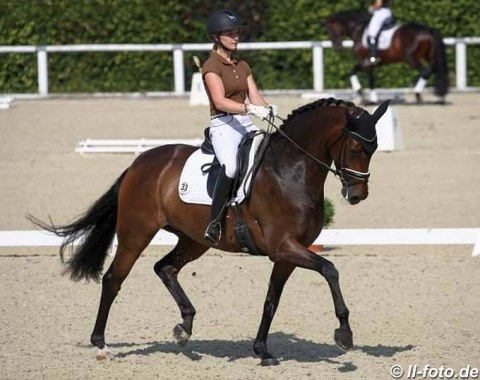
(222, 114)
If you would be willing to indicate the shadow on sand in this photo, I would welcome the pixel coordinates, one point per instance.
(285, 346)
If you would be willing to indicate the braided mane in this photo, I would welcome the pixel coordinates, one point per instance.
(326, 102)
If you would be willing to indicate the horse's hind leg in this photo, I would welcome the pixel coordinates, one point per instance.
(167, 269)
(126, 255)
(424, 74)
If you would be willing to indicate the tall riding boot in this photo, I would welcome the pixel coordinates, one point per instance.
(221, 194)
(373, 46)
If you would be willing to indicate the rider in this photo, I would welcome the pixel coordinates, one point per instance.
(228, 82)
(382, 14)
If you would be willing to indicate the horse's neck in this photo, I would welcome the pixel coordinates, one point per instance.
(296, 174)
(305, 142)
(356, 32)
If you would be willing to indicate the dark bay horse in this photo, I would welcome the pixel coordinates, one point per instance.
(284, 214)
(419, 46)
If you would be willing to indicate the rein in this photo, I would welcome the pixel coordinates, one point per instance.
(335, 172)
(341, 173)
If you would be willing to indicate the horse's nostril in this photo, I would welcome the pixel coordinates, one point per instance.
(354, 200)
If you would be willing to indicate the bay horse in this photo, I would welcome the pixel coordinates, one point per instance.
(284, 214)
(417, 45)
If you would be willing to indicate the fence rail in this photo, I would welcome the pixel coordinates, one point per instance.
(178, 51)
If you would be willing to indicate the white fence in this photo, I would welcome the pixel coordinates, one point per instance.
(178, 51)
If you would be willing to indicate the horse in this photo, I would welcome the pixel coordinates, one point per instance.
(417, 45)
(284, 214)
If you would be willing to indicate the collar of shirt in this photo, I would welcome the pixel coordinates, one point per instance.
(221, 59)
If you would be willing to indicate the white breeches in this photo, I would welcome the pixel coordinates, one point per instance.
(379, 17)
(226, 132)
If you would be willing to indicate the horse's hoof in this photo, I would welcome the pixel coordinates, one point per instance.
(103, 354)
(180, 335)
(268, 362)
(344, 339)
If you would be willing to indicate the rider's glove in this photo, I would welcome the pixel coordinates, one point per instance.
(273, 109)
(258, 111)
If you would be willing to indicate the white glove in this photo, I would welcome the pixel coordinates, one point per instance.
(273, 109)
(258, 111)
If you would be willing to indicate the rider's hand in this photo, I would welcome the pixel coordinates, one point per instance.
(258, 111)
(273, 109)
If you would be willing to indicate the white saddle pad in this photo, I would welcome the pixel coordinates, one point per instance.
(385, 38)
(192, 187)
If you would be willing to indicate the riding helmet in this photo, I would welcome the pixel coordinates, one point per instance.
(220, 21)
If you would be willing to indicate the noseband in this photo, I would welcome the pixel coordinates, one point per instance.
(369, 145)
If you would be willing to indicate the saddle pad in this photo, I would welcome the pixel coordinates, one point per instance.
(192, 187)
(385, 38)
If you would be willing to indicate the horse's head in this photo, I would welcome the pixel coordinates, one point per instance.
(355, 149)
(335, 30)
(343, 24)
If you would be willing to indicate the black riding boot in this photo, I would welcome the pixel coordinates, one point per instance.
(223, 187)
(373, 46)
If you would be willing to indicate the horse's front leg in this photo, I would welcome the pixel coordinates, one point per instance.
(280, 274)
(354, 81)
(167, 269)
(297, 255)
(372, 95)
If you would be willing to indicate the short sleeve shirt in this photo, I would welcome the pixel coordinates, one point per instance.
(233, 75)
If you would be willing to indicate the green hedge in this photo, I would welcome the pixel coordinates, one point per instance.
(60, 22)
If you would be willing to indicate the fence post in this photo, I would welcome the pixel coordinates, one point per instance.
(461, 64)
(179, 70)
(318, 84)
(42, 66)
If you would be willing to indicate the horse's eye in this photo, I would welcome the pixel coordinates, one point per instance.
(355, 147)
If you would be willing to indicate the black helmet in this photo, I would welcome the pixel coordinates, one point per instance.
(220, 21)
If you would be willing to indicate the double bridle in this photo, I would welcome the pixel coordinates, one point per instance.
(342, 173)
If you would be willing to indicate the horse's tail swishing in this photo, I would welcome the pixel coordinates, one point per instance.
(96, 228)
(439, 65)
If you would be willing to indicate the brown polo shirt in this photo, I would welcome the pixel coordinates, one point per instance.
(234, 77)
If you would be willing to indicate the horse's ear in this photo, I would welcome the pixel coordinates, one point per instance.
(382, 108)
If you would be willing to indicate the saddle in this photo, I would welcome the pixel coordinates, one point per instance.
(249, 154)
(384, 36)
(200, 173)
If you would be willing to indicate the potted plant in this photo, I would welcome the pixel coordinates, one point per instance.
(329, 213)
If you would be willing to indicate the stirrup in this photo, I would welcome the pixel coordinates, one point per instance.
(373, 60)
(213, 232)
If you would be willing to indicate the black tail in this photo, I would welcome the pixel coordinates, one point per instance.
(439, 66)
(96, 228)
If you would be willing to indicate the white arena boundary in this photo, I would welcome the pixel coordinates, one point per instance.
(332, 237)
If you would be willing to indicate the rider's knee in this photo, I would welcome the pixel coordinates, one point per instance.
(231, 168)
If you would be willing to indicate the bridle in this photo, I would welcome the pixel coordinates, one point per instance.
(343, 173)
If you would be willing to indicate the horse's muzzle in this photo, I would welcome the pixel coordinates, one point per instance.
(356, 193)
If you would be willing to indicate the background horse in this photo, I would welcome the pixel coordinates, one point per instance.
(418, 45)
(284, 214)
